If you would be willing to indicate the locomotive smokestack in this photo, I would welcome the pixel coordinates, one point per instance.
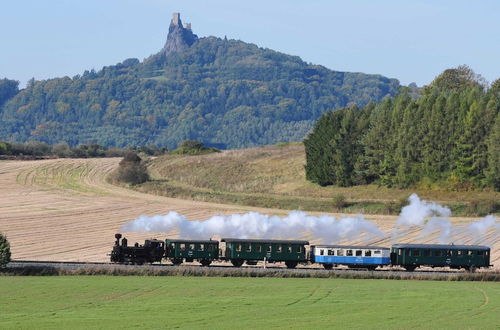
(118, 236)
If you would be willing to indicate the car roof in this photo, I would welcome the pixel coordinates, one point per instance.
(272, 241)
(371, 247)
(191, 241)
(441, 246)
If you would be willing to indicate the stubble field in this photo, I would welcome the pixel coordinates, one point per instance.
(64, 210)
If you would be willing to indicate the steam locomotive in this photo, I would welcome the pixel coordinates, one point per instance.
(294, 252)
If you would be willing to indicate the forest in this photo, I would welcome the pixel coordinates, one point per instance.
(223, 93)
(449, 137)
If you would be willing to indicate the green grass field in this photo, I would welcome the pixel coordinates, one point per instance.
(93, 302)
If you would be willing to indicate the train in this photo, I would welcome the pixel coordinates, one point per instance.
(294, 252)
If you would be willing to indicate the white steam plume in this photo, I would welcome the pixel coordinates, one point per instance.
(255, 225)
(477, 230)
(442, 225)
(432, 217)
(418, 210)
(429, 217)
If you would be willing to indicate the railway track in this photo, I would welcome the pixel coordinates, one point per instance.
(226, 269)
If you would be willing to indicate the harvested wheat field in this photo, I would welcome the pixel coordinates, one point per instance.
(64, 210)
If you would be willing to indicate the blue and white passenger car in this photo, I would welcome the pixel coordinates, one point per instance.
(352, 256)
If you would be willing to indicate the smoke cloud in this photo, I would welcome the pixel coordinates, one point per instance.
(431, 218)
(443, 226)
(418, 210)
(256, 225)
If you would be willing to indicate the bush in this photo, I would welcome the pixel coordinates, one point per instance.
(193, 147)
(394, 207)
(61, 149)
(339, 201)
(132, 170)
(4, 251)
(483, 207)
(5, 148)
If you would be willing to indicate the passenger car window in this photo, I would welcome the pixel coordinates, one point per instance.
(289, 249)
(330, 253)
(299, 249)
(191, 246)
(368, 253)
(399, 252)
(437, 253)
(359, 253)
(340, 252)
(416, 253)
(427, 253)
(280, 248)
(321, 252)
(202, 247)
(448, 253)
(349, 253)
(480, 253)
(269, 248)
(249, 247)
(183, 246)
(238, 248)
(210, 247)
(459, 253)
(258, 248)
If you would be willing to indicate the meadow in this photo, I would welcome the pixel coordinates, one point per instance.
(94, 302)
(274, 177)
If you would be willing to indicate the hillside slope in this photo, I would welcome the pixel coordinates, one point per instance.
(226, 93)
(274, 176)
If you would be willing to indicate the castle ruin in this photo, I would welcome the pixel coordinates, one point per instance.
(176, 20)
(180, 36)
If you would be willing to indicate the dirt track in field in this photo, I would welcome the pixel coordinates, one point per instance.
(64, 210)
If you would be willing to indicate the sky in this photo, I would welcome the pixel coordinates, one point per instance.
(410, 40)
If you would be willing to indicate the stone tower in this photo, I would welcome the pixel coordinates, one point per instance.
(180, 37)
(176, 17)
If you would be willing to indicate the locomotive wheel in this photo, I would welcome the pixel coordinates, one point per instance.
(471, 269)
(176, 261)
(236, 262)
(291, 264)
(328, 266)
(410, 268)
(205, 262)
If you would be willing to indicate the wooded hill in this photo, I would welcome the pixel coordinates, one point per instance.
(224, 93)
(449, 137)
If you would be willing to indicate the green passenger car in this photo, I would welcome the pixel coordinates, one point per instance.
(469, 257)
(251, 251)
(204, 251)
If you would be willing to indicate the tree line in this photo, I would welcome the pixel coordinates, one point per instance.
(64, 150)
(448, 137)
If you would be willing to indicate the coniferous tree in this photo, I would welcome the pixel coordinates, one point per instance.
(493, 170)
(449, 133)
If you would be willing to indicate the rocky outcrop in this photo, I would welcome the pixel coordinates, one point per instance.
(179, 37)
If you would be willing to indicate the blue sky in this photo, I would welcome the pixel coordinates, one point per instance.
(412, 41)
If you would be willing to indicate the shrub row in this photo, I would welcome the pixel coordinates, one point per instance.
(119, 270)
